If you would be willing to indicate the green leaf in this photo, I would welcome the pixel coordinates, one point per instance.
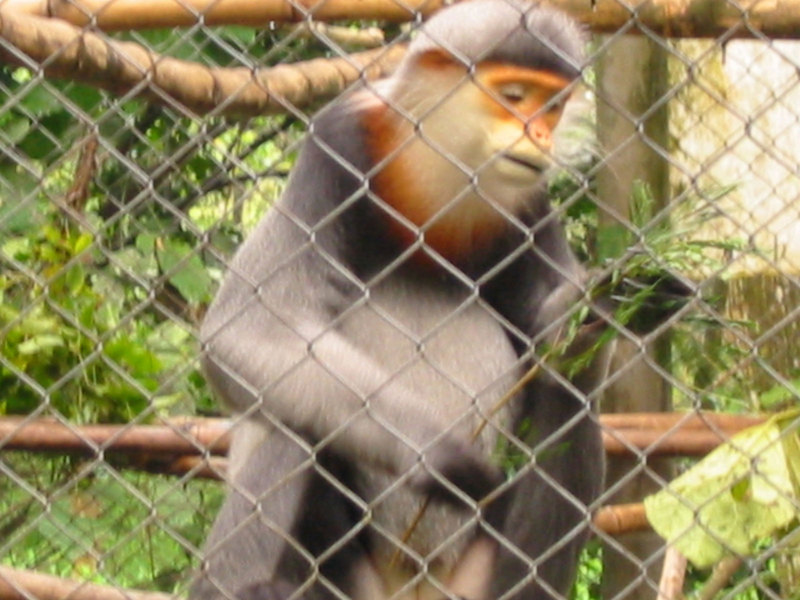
(185, 270)
(246, 36)
(39, 101)
(741, 493)
(88, 98)
(779, 394)
(40, 343)
(18, 214)
(39, 323)
(17, 247)
(791, 446)
(75, 277)
(48, 135)
(14, 127)
(145, 243)
(82, 242)
(612, 240)
(642, 204)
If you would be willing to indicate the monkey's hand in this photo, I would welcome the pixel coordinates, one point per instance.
(452, 469)
(640, 303)
(643, 302)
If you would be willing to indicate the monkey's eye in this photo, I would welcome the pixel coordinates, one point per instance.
(513, 93)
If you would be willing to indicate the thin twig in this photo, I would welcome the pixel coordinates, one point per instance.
(673, 574)
(720, 577)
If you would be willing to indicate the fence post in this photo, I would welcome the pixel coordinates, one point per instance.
(631, 78)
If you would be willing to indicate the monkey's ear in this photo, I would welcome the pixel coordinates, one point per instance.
(437, 59)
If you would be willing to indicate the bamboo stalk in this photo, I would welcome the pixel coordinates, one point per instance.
(657, 442)
(673, 575)
(617, 519)
(693, 421)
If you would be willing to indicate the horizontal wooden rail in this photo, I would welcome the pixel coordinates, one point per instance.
(655, 434)
(64, 51)
(667, 18)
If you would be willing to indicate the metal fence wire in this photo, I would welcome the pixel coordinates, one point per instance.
(448, 316)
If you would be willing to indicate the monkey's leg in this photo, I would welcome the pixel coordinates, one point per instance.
(279, 523)
(331, 530)
(472, 576)
(547, 522)
(250, 533)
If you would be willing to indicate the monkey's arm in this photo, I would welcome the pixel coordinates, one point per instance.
(547, 523)
(564, 480)
(272, 342)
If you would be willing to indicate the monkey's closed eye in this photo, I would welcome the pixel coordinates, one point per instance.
(513, 93)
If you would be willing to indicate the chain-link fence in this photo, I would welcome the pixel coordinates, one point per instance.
(412, 371)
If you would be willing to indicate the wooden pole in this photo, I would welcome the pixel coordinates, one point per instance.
(669, 18)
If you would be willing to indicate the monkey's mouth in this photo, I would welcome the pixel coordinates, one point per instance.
(523, 161)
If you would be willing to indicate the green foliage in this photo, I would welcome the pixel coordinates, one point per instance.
(117, 528)
(103, 280)
(68, 340)
(590, 573)
(100, 296)
(780, 396)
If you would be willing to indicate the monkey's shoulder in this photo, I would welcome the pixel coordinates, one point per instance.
(338, 130)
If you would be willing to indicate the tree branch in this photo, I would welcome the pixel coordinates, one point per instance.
(195, 446)
(62, 50)
(673, 574)
(720, 577)
(142, 14)
(694, 421)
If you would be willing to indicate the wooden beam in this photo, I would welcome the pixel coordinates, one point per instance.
(667, 18)
(62, 50)
(654, 434)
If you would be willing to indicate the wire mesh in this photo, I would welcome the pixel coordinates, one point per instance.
(128, 179)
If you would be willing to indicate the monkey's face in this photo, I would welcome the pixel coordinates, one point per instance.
(494, 125)
(462, 147)
(522, 108)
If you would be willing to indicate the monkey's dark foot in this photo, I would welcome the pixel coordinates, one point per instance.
(266, 590)
(463, 467)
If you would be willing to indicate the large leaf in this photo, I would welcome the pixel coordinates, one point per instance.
(742, 492)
